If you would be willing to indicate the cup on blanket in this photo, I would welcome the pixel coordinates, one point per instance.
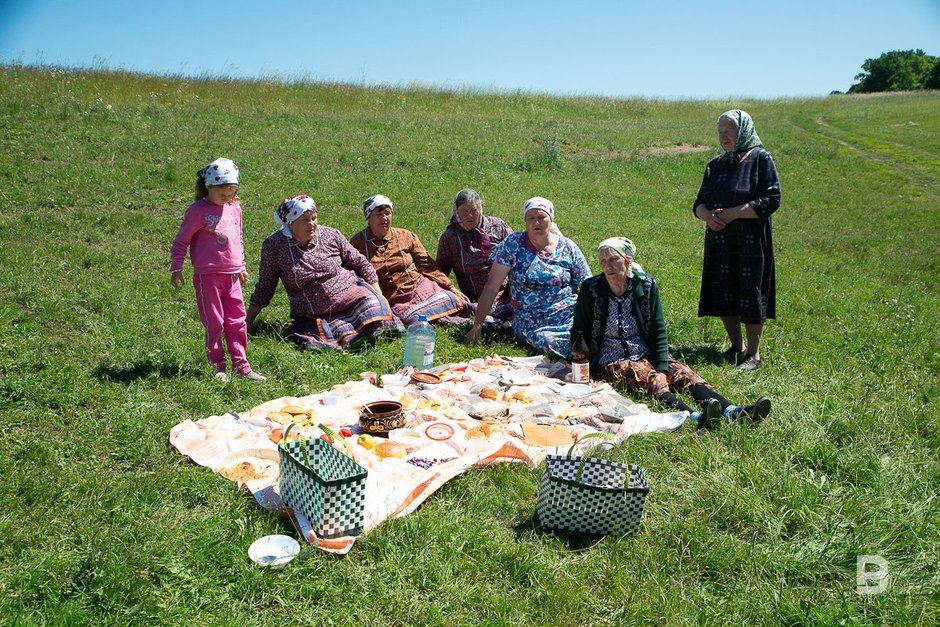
(369, 376)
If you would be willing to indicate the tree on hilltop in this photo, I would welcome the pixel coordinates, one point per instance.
(933, 80)
(898, 70)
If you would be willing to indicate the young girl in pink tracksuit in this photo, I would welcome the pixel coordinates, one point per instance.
(212, 231)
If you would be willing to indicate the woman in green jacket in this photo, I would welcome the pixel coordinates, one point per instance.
(620, 317)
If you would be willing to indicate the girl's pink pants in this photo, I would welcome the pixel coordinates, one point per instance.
(222, 311)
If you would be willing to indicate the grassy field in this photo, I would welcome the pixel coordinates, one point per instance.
(103, 522)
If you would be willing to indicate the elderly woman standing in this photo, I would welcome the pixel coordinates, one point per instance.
(409, 277)
(545, 269)
(333, 290)
(739, 192)
(465, 248)
(620, 315)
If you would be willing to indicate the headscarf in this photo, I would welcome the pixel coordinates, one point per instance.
(374, 202)
(477, 236)
(537, 202)
(222, 171)
(747, 134)
(543, 204)
(626, 248)
(291, 209)
(622, 245)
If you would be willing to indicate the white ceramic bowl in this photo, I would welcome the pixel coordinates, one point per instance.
(273, 551)
(409, 438)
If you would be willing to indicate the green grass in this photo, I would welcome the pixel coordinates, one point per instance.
(102, 521)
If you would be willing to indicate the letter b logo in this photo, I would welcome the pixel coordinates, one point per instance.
(871, 581)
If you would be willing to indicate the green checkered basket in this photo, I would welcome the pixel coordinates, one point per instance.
(323, 484)
(591, 495)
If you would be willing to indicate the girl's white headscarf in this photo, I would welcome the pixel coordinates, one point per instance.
(222, 171)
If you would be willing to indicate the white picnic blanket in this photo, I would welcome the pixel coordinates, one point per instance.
(241, 447)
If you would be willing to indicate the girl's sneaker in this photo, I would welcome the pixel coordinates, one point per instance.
(251, 375)
(222, 376)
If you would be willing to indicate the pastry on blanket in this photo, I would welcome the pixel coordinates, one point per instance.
(490, 394)
(390, 449)
(521, 396)
(294, 410)
(280, 417)
(482, 430)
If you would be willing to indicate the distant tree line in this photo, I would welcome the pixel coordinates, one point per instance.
(898, 70)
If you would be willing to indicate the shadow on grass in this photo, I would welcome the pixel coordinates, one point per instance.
(693, 355)
(265, 328)
(573, 540)
(490, 334)
(144, 370)
(281, 332)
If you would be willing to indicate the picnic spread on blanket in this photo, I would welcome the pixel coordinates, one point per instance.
(379, 451)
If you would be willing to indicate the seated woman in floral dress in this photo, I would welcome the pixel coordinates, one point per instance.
(408, 275)
(333, 290)
(545, 269)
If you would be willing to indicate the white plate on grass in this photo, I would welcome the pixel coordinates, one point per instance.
(273, 551)
(575, 390)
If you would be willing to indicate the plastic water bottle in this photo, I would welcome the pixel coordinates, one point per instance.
(419, 344)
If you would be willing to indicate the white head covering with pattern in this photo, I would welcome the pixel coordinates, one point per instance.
(222, 171)
(291, 209)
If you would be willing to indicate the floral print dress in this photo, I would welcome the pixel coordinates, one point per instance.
(544, 291)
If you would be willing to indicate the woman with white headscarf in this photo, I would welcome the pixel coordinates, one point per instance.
(619, 315)
(333, 290)
(545, 269)
(739, 192)
(408, 275)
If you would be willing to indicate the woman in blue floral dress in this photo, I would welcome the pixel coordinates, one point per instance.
(545, 269)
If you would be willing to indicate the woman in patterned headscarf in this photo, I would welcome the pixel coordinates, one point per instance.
(619, 316)
(333, 290)
(408, 275)
(465, 248)
(739, 192)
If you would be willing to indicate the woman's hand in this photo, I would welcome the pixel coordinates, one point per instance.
(716, 219)
(176, 278)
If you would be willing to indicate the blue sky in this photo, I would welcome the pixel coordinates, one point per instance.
(679, 49)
